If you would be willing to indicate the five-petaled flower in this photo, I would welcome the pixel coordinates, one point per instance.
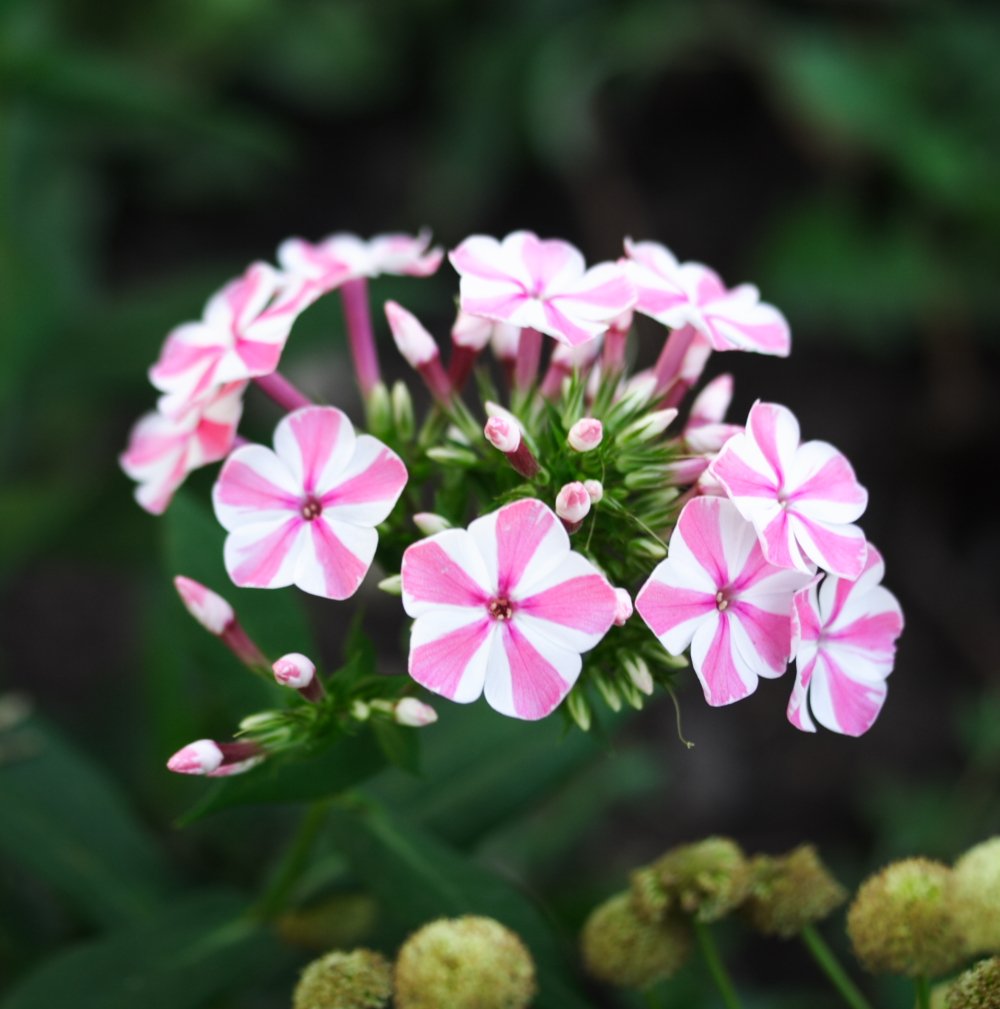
(541, 285)
(690, 294)
(716, 593)
(241, 335)
(846, 641)
(504, 607)
(801, 498)
(305, 514)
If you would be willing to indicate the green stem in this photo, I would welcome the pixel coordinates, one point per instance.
(710, 954)
(831, 966)
(923, 993)
(293, 863)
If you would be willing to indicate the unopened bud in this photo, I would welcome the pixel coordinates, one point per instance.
(452, 456)
(378, 409)
(649, 427)
(464, 963)
(579, 709)
(402, 410)
(429, 523)
(573, 503)
(360, 979)
(502, 434)
(976, 885)
(611, 696)
(621, 949)
(623, 610)
(586, 434)
(392, 585)
(638, 390)
(639, 674)
(412, 340)
(360, 711)
(200, 757)
(410, 711)
(206, 606)
(294, 670)
(595, 490)
(653, 549)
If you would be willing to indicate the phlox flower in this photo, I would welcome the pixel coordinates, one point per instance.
(162, 449)
(846, 640)
(504, 607)
(706, 430)
(690, 294)
(716, 593)
(305, 514)
(241, 335)
(801, 498)
(541, 285)
(341, 257)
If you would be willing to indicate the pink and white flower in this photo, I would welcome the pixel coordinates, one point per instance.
(241, 335)
(305, 514)
(716, 594)
(846, 641)
(801, 498)
(504, 607)
(690, 294)
(206, 606)
(162, 450)
(541, 285)
(706, 430)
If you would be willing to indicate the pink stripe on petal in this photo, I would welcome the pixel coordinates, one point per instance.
(717, 669)
(258, 358)
(739, 477)
(500, 306)
(440, 665)
(342, 571)
(315, 431)
(876, 633)
(699, 528)
(835, 482)
(383, 479)
(776, 433)
(770, 633)
(536, 686)
(562, 327)
(430, 575)
(241, 486)
(854, 706)
(664, 607)
(778, 544)
(586, 604)
(521, 528)
(840, 549)
(259, 566)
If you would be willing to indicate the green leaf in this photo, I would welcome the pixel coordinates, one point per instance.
(400, 745)
(417, 878)
(342, 765)
(63, 821)
(177, 958)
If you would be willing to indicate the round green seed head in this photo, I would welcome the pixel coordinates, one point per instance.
(977, 988)
(361, 979)
(902, 920)
(976, 879)
(788, 892)
(707, 880)
(464, 963)
(620, 948)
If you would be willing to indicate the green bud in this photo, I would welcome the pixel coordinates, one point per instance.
(653, 549)
(608, 692)
(902, 920)
(464, 963)
(707, 880)
(393, 585)
(402, 411)
(976, 887)
(452, 456)
(579, 709)
(788, 892)
(620, 948)
(378, 410)
(976, 988)
(338, 921)
(645, 478)
(361, 979)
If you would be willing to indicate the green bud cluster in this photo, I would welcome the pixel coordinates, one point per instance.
(976, 988)
(361, 979)
(976, 887)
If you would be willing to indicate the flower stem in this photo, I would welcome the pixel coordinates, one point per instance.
(360, 335)
(710, 954)
(831, 966)
(529, 354)
(282, 391)
(293, 863)
(923, 993)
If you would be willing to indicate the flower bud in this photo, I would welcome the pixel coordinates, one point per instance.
(360, 711)
(623, 609)
(653, 549)
(586, 434)
(429, 523)
(402, 410)
(788, 892)
(412, 340)
(579, 709)
(294, 670)
(392, 585)
(410, 711)
(976, 988)
(378, 410)
(200, 757)
(707, 880)
(638, 672)
(573, 503)
(976, 888)
(207, 607)
(453, 456)
(621, 949)
(595, 490)
(464, 963)
(649, 427)
(361, 979)
(902, 920)
(502, 434)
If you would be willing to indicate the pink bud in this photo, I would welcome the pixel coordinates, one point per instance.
(595, 489)
(200, 757)
(429, 523)
(208, 608)
(410, 711)
(623, 607)
(238, 767)
(472, 331)
(573, 503)
(412, 340)
(502, 434)
(294, 670)
(585, 434)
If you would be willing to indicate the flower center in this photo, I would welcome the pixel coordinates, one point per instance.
(501, 608)
(721, 601)
(311, 509)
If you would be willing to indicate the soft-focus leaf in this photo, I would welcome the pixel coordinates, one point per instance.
(62, 820)
(177, 958)
(417, 879)
(400, 745)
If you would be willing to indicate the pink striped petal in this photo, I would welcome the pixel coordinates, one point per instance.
(841, 703)
(720, 664)
(449, 652)
(253, 484)
(822, 485)
(798, 703)
(315, 443)
(367, 490)
(839, 549)
(529, 676)
(770, 635)
(334, 557)
(712, 402)
(775, 433)
(738, 320)
(673, 613)
(444, 570)
(552, 265)
(265, 555)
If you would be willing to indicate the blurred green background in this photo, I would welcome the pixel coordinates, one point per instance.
(845, 156)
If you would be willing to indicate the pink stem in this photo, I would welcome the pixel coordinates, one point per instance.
(435, 379)
(315, 692)
(529, 356)
(523, 460)
(668, 365)
(244, 647)
(614, 350)
(360, 335)
(233, 753)
(460, 365)
(282, 391)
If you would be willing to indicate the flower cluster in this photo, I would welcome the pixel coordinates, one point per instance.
(524, 520)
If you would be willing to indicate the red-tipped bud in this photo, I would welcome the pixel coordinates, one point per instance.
(586, 434)
(206, 606)
(623, 607)
(294, 670)
(409, 711)
(418, 348)
(503, 431)
(572, 505)
(502, 434)
(200, 757)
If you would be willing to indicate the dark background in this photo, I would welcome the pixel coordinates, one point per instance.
(844, 156)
